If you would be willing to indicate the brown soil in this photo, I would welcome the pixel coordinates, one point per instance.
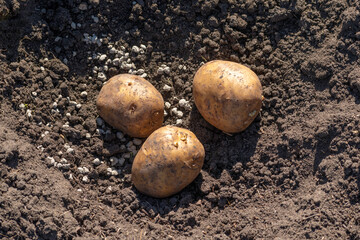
(293, 174)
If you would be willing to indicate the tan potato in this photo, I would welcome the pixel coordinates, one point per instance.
(168, 161)
(131, 104)
(227, 94)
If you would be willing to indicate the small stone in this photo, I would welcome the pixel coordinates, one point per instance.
(167, 88)
(127, 155)
(66, 166)
(96, 19)
(51, 161)
(121, 161)
(63, 161)
(179, 121)
(184, 104)
(144, 75)
(78, 106)
(54, 105)
(137, 141)
(173, 111)
(72, 103)
(85, 179)
(119, 135)
(102, 57)
(80, 170)
(167, 105)
(96, 162)
(135, 49)
(34, 94)
(160, 71)
(179, 114)
(22, 106)
(28, 113)
(143, 46)
(99, 121)
(116, 62)
(114, 172)
(114, 161)
(101, 76)
(167, 70)
(83, 94)
(165, 113)
(87, 135)
(83, 6)
(70, 150)
(73, 25)
(68, 115)
(86, 170)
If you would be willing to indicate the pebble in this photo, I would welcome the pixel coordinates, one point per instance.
(70, 150)
(179, 122)
(135, 49)
(85, 179)
(137, 141)
(54, 105)
(119, 135)
(86, 170)
(121, 161)
(66, 166)
(52, 160)
(83, 6)
(114, 161)
(87, 135)
(160, 71)
(129, 144)
(73, 25)
(173, 111)
(112, 50)
(96, 162)
(165, 113)
(179, 114)
(144, 75)
(99, 121)
(127, 155)
(72, 103)
(68, 114)
(143, 46)
(167, 105)
(167, 88)
(78, 106)
(167, 70)
(83, 94)
(63, 161)
(22, 106)
(184, 104)
(101, 76)
(116, 62)
(102, 57)
(96, 19)
(34, 94)
(28, 113)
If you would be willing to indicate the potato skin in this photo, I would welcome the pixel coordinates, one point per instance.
(131, 104)
(168, 161)
(227, 94)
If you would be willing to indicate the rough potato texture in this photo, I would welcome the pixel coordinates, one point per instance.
(169, 160)
(131, 104)
(227, 94)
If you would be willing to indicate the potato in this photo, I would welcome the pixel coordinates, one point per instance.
(227, 94)
(168, 161)
(131, 104)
